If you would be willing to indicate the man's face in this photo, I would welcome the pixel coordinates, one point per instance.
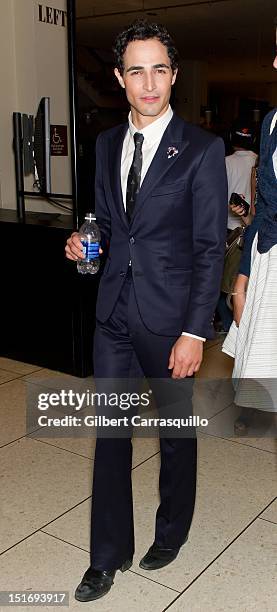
(147, 78)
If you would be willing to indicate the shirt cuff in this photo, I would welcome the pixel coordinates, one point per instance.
(193, 336)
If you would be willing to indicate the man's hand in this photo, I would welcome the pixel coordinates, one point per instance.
(185, 357)
(239, 210)
(74, 248)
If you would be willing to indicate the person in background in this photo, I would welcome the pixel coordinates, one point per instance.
(252, 339)
(239, 167)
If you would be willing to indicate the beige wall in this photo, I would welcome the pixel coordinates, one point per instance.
(33, 63)
(191, 89)
(8, 102)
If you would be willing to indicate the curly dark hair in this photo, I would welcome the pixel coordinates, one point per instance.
(141, 29)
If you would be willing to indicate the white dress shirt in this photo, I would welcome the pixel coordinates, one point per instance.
(152, 137)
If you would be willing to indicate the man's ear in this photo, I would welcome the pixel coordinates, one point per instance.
(119, 78)
(174, 76)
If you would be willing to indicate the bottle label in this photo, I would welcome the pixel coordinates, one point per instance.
(90, 250)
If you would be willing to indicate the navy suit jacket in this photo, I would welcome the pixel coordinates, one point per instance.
(176, 239)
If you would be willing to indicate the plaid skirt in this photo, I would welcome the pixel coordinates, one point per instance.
(254, 343)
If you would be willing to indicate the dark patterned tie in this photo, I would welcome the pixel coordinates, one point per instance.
(134, 176)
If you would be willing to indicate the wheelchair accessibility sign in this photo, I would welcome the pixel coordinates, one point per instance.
(58, 140)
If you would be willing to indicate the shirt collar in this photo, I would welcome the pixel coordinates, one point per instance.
(153, 132)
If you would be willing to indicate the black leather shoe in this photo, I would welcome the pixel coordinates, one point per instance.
(158, 557)
(96, 583)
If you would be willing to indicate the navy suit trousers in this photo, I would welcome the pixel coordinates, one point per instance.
(125, 349)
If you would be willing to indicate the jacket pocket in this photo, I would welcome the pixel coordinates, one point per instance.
(168, 188)
(178, 277)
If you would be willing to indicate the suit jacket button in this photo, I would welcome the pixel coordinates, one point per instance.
(121, 273)
(132, 240)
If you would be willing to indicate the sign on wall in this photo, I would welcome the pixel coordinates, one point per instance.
(58, 140)
(54, 16)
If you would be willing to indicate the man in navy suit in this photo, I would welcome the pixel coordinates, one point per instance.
(160, 204)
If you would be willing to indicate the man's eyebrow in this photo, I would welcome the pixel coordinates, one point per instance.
(134, 68)
(161, 66)
(142, 67)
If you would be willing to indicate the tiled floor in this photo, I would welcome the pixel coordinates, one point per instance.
(228, 562)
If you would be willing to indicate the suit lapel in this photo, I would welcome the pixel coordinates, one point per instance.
(115, 153)
(173, 137)
(161, 163)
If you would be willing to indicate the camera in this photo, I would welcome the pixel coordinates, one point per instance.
(237, 200)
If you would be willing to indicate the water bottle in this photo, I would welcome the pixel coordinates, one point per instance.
(90, 237)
